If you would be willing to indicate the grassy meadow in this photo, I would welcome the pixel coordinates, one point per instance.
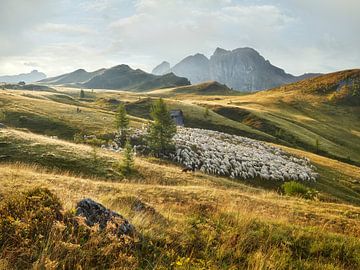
(193, 220)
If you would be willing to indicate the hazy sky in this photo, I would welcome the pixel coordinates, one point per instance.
(60, 36)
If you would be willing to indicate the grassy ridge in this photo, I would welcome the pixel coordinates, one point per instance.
(337, 183)
(55, 114)
(199, 221)
(202, 226)
(321, 115)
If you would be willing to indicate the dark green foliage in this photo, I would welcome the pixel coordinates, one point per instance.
(122, 123)
(162, 129)
(34, 230)
(82, 93)
(317, 145)
(293, 188)
(206, 113)
(127, 162)
(91, 139)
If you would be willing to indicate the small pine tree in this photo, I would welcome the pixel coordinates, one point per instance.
(94, 155)
(122, 123)
(162, 129)
(2, 116)
(317, 145)
(82, 93)
(206, 113)
(127, 162)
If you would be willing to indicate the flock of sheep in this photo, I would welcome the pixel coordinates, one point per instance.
(238, 157)
(223, 154)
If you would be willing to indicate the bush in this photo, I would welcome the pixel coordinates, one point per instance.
(161, 130)
(127, 163)
(122, 123)
(293, 188)
(35, 233)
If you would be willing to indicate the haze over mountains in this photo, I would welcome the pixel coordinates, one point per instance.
(33, 76)
(118, 77)
(242, 69)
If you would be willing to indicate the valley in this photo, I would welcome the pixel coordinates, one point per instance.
(197, 216)
(179, 135)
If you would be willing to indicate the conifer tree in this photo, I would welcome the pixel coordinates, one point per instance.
(122, 123)
(127, 162)
(82, 93)
(206, 113)
(162, 129)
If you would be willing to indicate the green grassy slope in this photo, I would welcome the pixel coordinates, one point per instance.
(199, 221)
(337, 181)
(321, 115)
(55, 114)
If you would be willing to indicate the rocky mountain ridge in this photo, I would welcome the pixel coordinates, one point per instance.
(243, 69)
(32, 76)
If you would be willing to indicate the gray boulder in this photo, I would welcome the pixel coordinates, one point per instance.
(95, 213)
(2, 125)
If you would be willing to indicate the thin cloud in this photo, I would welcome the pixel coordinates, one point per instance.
(299, 36)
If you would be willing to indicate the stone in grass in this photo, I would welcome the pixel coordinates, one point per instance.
(139, 206)
(2, 125)
(96, 214)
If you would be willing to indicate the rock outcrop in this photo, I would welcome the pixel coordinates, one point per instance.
(196, 68)
(95, 213)
(242, 69)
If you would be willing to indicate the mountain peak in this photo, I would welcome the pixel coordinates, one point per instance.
(220, 51)
(195, 57)
(244, 69)
(122, 67)
(162, 68)
(32, 76)
(80, 70)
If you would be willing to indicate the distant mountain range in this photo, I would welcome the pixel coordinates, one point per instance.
(77, 76)
(242, 69)
(33, 76)
(120, 77)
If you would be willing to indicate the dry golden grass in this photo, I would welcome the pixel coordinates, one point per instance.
(201, 221)
(176, 206)
(185, 191)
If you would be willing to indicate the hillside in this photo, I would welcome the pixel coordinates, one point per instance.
(32, 76)
(185, 210)
(338, 88)
(211, 88)
(188, 220)
(125, 78)
(75, 77)
(120, 77)
(319, 114)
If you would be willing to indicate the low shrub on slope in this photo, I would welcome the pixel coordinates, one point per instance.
(35, 232)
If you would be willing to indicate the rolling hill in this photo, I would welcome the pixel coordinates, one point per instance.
(76, 77)
(211, 88)
(120, 77)
(32, 76)
(319, 114)
(187, 220)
